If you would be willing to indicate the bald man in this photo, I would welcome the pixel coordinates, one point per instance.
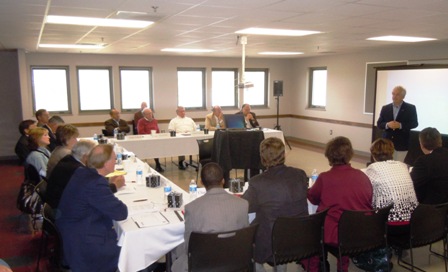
(145, 125)
(215, 119)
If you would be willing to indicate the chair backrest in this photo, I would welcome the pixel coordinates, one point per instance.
(49, 229)
(41, 189)
(428, 224)
(361, 231)
(222, 252)
(104, 132)
(297, 238)
(205, 149)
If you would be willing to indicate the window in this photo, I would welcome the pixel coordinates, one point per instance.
(95, 88)
(191, 87)
(136, 87)
(225, 87)
(318, 87)
(258, 94)
(50, 89)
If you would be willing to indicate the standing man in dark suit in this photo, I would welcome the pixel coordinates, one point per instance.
(280, 191)
(430, 171)
(87, 209)
(396, 120)
(116, 122)
(249, 117)
(216, 211)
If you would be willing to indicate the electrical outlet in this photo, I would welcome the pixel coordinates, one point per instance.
(331, 132)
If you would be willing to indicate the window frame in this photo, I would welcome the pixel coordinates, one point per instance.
(310, 87)
(204, 97)
(151, 86)
(67, 80)
(109, 69)
(266, 86)
(235, 86)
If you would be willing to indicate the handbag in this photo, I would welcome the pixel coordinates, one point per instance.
(377, 260)
(28, 200)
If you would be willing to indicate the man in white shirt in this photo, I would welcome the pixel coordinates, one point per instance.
(181, 124)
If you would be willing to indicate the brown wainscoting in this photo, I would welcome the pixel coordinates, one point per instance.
(317, 119)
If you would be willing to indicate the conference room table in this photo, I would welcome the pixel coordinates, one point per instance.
(151, 229)
(162, 145)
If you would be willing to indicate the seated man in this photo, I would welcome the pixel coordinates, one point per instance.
(280, 191)
(53, 123)
(430, 172)
(249, 117)
(139, 115)
(181, 124)
(209, 214)
(215, 119)
(87, 208)
(64, 169)
(115, 122)
(21, 149)
(145, 125)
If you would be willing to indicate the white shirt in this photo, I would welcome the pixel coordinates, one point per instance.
(182, 125)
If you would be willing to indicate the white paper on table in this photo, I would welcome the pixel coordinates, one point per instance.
(141, 208)
(126, 190)
(145, 220)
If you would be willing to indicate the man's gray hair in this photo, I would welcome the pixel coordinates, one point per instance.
(56, 119)
(82, 148)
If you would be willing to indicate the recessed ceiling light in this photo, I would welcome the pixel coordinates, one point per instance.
(275, 32)
(90, 21)
(187, 50)
(73, 46)
(400, 39)
(280, 53)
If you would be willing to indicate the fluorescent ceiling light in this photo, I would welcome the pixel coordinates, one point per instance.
(73, 46)
(281, 53)
(187, 50)
(89, 21)
(275, 32)
(400, 39)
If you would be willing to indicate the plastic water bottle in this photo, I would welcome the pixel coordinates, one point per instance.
(115, 133)
(166, 192)
(314, 176)
(193, 189)
(119, 158)
(95, 137)
(139, 175)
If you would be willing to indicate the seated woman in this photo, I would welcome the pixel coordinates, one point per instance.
(341, 188)
(38, 142)
(66, 137)
(391, 184)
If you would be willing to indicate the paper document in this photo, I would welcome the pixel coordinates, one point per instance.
(145, 220)
(142, 208)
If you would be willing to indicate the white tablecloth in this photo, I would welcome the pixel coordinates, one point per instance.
(141, 247)
(162, 145)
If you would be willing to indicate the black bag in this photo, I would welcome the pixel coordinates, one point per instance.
(375, 260)
(28, 200)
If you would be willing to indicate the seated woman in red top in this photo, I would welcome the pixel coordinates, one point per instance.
(341, 188)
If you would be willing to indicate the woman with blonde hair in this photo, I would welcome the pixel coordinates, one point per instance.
(39, 155)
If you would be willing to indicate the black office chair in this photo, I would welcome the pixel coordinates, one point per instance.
(295, 239)
(205, 153)
(51, 232)
(427, 226)
(361, 231)
(41, 189)
(222, 252)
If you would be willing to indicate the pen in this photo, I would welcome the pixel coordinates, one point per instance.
(140, 200)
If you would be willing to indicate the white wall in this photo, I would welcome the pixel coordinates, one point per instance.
(164, 78)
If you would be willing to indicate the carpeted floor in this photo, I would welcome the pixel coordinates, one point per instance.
(19, 244)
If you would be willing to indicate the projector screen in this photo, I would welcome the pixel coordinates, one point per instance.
(427, 89)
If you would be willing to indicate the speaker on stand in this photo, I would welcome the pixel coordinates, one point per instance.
(278, 91)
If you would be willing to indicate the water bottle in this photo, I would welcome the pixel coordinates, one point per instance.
(95, 137)
(166, 192)
(314, 176)
(119, 158)
(139, 175)
(115, 133)
(193, 189)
